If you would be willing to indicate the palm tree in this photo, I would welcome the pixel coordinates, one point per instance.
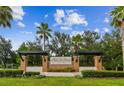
(5, 16)
(118, 22)
(44, 32)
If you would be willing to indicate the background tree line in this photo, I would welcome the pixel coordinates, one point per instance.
(62, 44)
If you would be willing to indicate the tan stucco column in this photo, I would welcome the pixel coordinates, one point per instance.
(45, 63)
(76, 63)
(98, 62)
(24, 62)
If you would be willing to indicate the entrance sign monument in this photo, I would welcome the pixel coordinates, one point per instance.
(59, 62)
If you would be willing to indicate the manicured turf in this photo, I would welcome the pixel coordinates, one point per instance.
(61, 81)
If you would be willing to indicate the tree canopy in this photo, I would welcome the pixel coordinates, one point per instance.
(5, 16)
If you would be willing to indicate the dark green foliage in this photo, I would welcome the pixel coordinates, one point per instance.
(68, 69)
(86, 60)
(78, 77)
(5, 16)
(102, 74)
(33, 60)
(60, 44)
(111, 46)
(29, 74)
(117, 16)
(11, 73)
(39, 76)
(7, 56)
(2, 73)
(17, 73)
(88, 41)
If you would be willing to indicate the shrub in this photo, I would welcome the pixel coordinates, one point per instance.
(10, 73)
(68, 69)
(28, 74)
(118, 68)
(2, 73)
(39, 76)
(78, 76)
(101, 74)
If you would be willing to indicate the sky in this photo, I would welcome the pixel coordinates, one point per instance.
(68, 19)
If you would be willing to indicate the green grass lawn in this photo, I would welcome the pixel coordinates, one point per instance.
(61, 81)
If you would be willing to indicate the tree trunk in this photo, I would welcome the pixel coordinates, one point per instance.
(116, 68)
(122, 26)
(44, 42)
(123, 53)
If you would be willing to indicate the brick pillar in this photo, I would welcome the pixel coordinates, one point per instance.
(24, 63)
(76, 63)
(45, 63)
(98, 62)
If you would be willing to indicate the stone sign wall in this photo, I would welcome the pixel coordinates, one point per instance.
(61, 60)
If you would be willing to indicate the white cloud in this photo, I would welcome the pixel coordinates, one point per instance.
(70, 11)
(18, 12)
(20, 24)
(74, 33)
(75, 19)
(106, 20)
(36, 24)
(26, 32)
(65, 28)
(97, 30)
(106, 29)
(68, 18)
(59, 15)
(45, 16)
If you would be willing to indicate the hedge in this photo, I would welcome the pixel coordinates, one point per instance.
(11, 73)
(68, 69)
(31, 73)
(118, 68)
(102, 74)
(17, 73)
